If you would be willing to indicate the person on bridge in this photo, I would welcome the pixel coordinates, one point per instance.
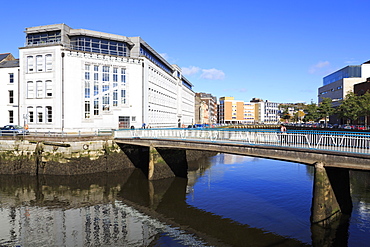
(283, 133)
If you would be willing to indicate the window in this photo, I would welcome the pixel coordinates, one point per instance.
(87, 89)
(49, 114)
(30, 90)
(11, 117)
(11, 96)
(96, 88)
(30, 63)
(49, 62)
(87, 72)
(105, 88)
(39, 63)
(87, 109)
(11, 77)
(39, 89)
(49, 88)
(115, 97)
(105, 73)
(105, 102)
(115, 75)
(123, 96)
(123, 76)
(30, 115)
(39, 115)
(96, 72)
(96, 107)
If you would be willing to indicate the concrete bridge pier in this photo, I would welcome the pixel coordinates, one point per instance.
(157, 163)
(331, 194)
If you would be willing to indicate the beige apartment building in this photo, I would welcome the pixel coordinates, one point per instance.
(233, 111)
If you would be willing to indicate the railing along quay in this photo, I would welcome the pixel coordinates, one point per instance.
(338, 141)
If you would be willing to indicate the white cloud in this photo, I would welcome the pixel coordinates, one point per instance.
(317, 67)
(190, 70)
(209, 74)
(212, 74)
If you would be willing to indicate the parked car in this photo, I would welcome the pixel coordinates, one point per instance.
(347, 127)
(360, 127)
(13, 130)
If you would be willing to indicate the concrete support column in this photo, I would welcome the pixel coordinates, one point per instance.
(331, 194)
(158, 167)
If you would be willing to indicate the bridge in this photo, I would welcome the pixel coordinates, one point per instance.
(161, 153)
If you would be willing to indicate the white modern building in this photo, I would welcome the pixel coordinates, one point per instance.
(83, 80)
(266, 112)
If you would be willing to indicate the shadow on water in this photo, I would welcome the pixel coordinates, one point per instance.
(163, 199)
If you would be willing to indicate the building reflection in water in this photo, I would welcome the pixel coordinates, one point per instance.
(75, 211)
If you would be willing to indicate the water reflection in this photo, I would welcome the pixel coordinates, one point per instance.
(125, 209)
(77, 211)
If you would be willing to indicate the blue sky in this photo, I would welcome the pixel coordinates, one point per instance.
(274, 50)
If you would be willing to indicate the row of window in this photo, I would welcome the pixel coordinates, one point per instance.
(105, 73)
(40, 63)
(331, 90)
(104, 103)
(83, 43)
(43, 38)
(39, 89)
(159, 98)
(40, 114)
(163, 117)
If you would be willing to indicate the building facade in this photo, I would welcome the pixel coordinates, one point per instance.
(77, 79)
(266, 112)
(338, 84)
(9, 93)
(205, 109)
(233, 111)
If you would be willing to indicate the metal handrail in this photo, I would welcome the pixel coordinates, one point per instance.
(352, 142)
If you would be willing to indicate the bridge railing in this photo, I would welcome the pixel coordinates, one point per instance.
(356, 142)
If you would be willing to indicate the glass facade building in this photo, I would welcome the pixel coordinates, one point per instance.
(353, 71)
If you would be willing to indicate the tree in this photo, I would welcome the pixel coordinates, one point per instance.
(326, 109)
(364, 105)
(311, 112)
(300, 115)
(350, 108)
(285, 115)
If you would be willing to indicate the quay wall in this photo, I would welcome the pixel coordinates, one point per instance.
(66, 155)
(61, 156)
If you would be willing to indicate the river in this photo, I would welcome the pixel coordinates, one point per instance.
(228, 200)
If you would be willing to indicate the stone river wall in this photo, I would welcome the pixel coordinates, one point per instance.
(61, 156)
(65, 156)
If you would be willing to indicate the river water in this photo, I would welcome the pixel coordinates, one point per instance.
(227, 200)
